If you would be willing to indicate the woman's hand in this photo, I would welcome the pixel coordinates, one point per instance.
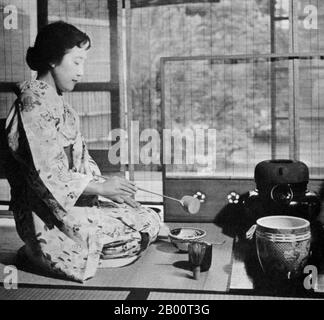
(119, 190)
(128, 200)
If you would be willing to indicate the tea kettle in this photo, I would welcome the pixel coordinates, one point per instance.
(281, 189)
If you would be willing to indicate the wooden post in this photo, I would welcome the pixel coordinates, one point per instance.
(121, 65)
(126, 48)
(296, 63)
(42, 13)
(114, 65)
(273, 90)
(293, 83)
(162, 84)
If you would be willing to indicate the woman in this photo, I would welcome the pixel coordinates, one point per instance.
(53, 179)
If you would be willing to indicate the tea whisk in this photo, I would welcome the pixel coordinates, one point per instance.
(197, 252)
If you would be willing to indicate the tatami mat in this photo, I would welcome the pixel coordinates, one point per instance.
(161, 266)
(61, 294)
(198, 296)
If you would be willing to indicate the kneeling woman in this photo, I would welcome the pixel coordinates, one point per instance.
(53, 179)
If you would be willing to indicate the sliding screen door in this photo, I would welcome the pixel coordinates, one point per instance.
(96, 99)
(229, 66)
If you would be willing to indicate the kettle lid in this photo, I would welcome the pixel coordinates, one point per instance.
(281, 171)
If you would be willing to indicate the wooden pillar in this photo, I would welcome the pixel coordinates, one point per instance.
(124, 47)
(294, 135)
(114, 63)
(273, 90)
(42, 13)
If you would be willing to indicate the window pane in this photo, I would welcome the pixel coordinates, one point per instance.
(216, 28)
(310, 26)
(94, 110)
(281, 26)
(91, 17)
(281, 96)
(282, 141)
(234, 97)
(14, 42)
(6, 101)
(213, 28)
(312, 115)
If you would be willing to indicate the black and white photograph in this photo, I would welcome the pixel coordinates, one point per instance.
(162, 150)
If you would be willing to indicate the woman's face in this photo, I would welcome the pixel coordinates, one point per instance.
(70, 71)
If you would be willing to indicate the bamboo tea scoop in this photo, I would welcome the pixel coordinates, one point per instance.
(189, 203)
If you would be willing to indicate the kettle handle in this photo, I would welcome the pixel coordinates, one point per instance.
(276, 186)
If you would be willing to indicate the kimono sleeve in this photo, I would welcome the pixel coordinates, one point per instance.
(95, 171)
(48, 155)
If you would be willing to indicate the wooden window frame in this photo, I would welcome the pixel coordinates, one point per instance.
(248, 57)
(171, 185)
(112, 86)
(293, 55)
(115, 86)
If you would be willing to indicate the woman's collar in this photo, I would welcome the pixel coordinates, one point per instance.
(39, 87)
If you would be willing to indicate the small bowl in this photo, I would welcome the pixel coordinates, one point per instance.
(181, 237)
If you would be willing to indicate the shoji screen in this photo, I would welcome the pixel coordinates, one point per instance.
(13, 46)
(94, 108)
(15, 37)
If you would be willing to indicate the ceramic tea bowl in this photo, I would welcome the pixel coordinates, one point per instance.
(181, 237)
(283, 245)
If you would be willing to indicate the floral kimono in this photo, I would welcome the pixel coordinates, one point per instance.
(48, 168)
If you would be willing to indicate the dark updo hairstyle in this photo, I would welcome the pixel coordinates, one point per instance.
(52, 43)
